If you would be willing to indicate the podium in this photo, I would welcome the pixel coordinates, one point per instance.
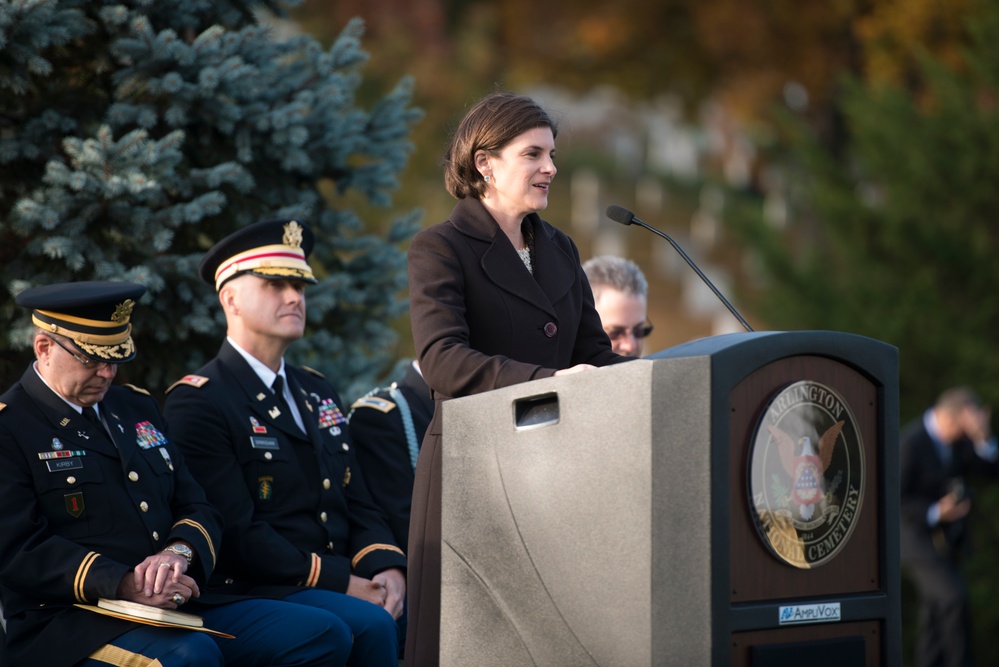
(728, 501)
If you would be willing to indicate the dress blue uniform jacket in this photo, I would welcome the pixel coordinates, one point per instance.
(296, 509)
(80, 512)
(378, 425)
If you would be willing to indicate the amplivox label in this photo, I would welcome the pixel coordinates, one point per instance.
(826, 612)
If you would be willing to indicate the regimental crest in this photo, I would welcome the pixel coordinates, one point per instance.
(806, 476)
(122, 311)
(292, 234)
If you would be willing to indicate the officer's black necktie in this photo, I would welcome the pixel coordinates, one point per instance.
(278, 387)
(91, 414)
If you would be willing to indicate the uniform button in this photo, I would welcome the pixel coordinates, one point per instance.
(71, 480)
(156, 536)
(551, 329)
(346, 447)
(268, 456)
(229, 581)
(327, 483)
(134, 476)
(322, 517)
(144, 506)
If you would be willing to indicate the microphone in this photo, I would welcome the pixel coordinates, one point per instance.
(626, 217)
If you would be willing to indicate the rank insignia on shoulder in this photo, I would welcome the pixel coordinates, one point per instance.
(196, 381)
(313, 371)
(380, 404)
(138, 390)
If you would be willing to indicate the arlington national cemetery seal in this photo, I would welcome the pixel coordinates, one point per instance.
(806, 475)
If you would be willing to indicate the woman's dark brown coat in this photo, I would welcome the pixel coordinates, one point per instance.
(482, 321)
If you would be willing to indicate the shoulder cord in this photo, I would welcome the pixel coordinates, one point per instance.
(407, 423)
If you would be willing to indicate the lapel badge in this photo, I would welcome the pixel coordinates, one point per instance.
(64, 421)
(274, 412)
(166, 457)
(261, 396)
(257, 428)
(83, 435)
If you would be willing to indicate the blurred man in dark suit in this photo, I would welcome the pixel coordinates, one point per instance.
(952, 441)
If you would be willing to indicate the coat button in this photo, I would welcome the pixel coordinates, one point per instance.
(156, 536)
(327, 484)
(134, 476)
(268, 456)
(323, 516)
(71, 480)
(551, 329)
(144, 506)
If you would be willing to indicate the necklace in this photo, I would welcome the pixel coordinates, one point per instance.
(525, 257)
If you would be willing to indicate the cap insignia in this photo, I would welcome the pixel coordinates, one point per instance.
(123, 311)
(292, 234)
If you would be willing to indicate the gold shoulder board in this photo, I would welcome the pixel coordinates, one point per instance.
(196, 381)
(313, 371)
(138, 390)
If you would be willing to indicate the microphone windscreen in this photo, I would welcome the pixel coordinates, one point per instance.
(618, 214)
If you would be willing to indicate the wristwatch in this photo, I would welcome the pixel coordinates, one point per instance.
(181, 550)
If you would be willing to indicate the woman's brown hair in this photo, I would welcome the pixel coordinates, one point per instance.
(490, 125)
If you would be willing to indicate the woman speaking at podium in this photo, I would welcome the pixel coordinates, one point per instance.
(497, 297)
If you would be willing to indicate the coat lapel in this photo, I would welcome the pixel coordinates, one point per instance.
(262, 401)
(72, 429)
(554, 272)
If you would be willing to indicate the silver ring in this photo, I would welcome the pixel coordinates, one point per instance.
(178, 599)
(165, 564)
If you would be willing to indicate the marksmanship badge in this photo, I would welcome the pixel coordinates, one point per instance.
(806, 474)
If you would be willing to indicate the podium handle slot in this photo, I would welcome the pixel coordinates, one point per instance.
(536, 411)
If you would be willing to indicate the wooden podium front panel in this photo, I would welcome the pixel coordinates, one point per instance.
(870, 631)
(756, 573)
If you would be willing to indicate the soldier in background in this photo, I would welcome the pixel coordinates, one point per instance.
(388, 425)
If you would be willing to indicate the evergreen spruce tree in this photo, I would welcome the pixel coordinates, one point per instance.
(133, 135)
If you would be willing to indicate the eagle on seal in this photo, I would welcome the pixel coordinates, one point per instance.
(808, 468)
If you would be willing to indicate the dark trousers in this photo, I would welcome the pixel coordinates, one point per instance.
(944, 633)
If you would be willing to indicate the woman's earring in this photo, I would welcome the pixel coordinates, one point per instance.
(487, 178)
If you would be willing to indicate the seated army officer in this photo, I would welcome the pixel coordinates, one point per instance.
(97, 503)
(269, 443)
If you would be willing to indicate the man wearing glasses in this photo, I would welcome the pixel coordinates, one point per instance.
(620, 295)
(98, 504)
